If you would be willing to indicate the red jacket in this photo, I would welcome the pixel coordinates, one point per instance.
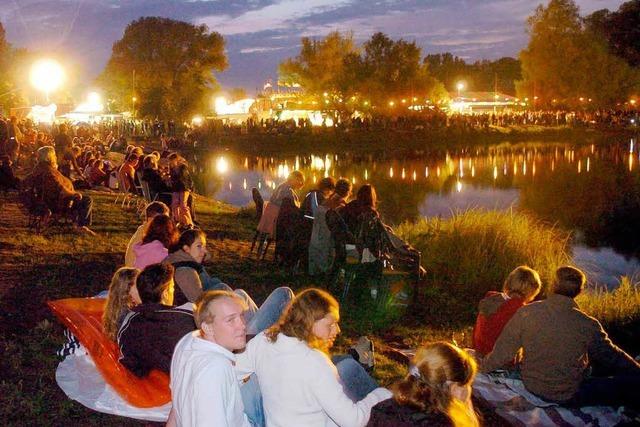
(494, 311)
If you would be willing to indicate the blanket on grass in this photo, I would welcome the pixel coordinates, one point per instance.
(95, 377)
(511, 401)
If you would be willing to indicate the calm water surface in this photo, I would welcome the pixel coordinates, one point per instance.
(592, 190)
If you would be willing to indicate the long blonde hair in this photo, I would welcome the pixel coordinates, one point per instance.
(303, 311)
(119, 299)
(427, 388)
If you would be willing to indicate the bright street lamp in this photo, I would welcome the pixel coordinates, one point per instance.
(46, 75)
(460, 87)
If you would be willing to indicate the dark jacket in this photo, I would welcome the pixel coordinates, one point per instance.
(149, 334)
(56, 190)
(155, 181)
(389, 413)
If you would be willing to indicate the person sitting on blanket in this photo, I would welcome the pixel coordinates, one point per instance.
(152, 329)
(123, 296)
(191, 279)
(152, 210)
(521, 286)
(204, 387)
(300, 384)
(436, 392)
(159, 236)
(559, 343)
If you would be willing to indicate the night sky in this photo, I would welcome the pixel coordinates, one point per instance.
(261, 33)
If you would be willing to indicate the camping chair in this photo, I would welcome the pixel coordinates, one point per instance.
(38, 214)
(259, 237)
(123, 191)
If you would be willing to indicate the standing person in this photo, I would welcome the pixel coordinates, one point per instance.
(559, 342)
(204, 387)
(152, 210)
(322, 244)
(312, 201)
(182, 199)
(436, 392)
(62, 141)
(520, 287)
(299, 383)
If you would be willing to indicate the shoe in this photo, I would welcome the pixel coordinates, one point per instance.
(364, 353)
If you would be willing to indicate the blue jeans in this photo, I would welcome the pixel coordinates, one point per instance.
(252, 401)
(356, 382)
(212, 283)
(259, 319)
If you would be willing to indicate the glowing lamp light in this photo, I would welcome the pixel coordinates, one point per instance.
(391, 103)
(46, 75)
(222, 165)
(633, 102)
(197, 120)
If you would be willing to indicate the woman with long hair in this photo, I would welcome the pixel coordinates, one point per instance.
(436, 392)
(123, 296)
(300, 384)
(159, 236)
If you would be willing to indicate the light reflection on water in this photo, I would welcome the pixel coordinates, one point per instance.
(593, 189)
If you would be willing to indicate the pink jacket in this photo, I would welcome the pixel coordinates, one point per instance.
(149, 253)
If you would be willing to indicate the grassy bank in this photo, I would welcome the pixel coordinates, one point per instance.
(60, 264)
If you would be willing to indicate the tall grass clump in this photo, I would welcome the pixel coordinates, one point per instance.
(618, 306)
(473, 251)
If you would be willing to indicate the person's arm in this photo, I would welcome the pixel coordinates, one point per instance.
(330, 394)
(508, 344)
(607, 354)
(189, 281)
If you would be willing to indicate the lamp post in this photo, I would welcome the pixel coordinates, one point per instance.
(46, 75)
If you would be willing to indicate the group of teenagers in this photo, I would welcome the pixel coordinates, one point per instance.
(232, 363)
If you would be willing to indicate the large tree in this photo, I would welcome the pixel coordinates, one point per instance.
(10, 84)
(566, 63)
(171, 63)
(621, 29)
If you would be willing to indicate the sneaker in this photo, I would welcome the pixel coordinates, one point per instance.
(363, 352)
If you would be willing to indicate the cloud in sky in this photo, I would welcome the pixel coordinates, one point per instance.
(261, 33)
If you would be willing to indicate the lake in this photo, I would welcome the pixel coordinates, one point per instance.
(592, 190)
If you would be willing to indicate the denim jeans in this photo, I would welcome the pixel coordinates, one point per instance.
(212, 283)
(356, 382)
(252, 401)
(259, 319)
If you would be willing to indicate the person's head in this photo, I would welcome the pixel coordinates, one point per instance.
(312, 316)
(138, 151)
(129, 149)
(132, 159)
(154, 209)
(155, 284)
(123, 295)
(439, 381)
(327, 186)
(296, 179)
(193, 242)
(569, 281)
(47, 154)
(220, 317)
(523, 282)
(343, 188)
(161, 228)
(63, 128)
(174, 160)
(367, 196)
(150, 162)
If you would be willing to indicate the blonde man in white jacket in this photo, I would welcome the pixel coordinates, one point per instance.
(300, 385)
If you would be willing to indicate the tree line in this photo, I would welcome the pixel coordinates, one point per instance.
(166, 68)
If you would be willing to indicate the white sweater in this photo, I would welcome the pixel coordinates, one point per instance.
(300, 385)
(204, 388)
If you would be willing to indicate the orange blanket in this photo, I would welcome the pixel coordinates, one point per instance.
(83, 317)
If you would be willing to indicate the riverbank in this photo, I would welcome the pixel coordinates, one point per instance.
(402, 141)
(59, 264)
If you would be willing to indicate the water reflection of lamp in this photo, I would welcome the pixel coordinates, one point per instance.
(426, 172)
(459, 186)
(390, 172)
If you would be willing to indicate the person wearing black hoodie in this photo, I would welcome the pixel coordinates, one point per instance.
(150, 332)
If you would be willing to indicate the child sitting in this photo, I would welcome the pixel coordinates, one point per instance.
(496, 308)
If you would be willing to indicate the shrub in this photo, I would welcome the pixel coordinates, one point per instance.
(474, 251)
(613, 307)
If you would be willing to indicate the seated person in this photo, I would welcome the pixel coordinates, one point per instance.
(8, 179)
(559, 342)
(191, 279)
(57, 191)
(496, 308)
(436, 392)
(300, 385)
(204, 387)
(374, 239)
(157, 186)
(150, 211)
(159, 236)
(152, 329)
(95, 173)
(315, 198)
(123, 296)
(127, 173)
